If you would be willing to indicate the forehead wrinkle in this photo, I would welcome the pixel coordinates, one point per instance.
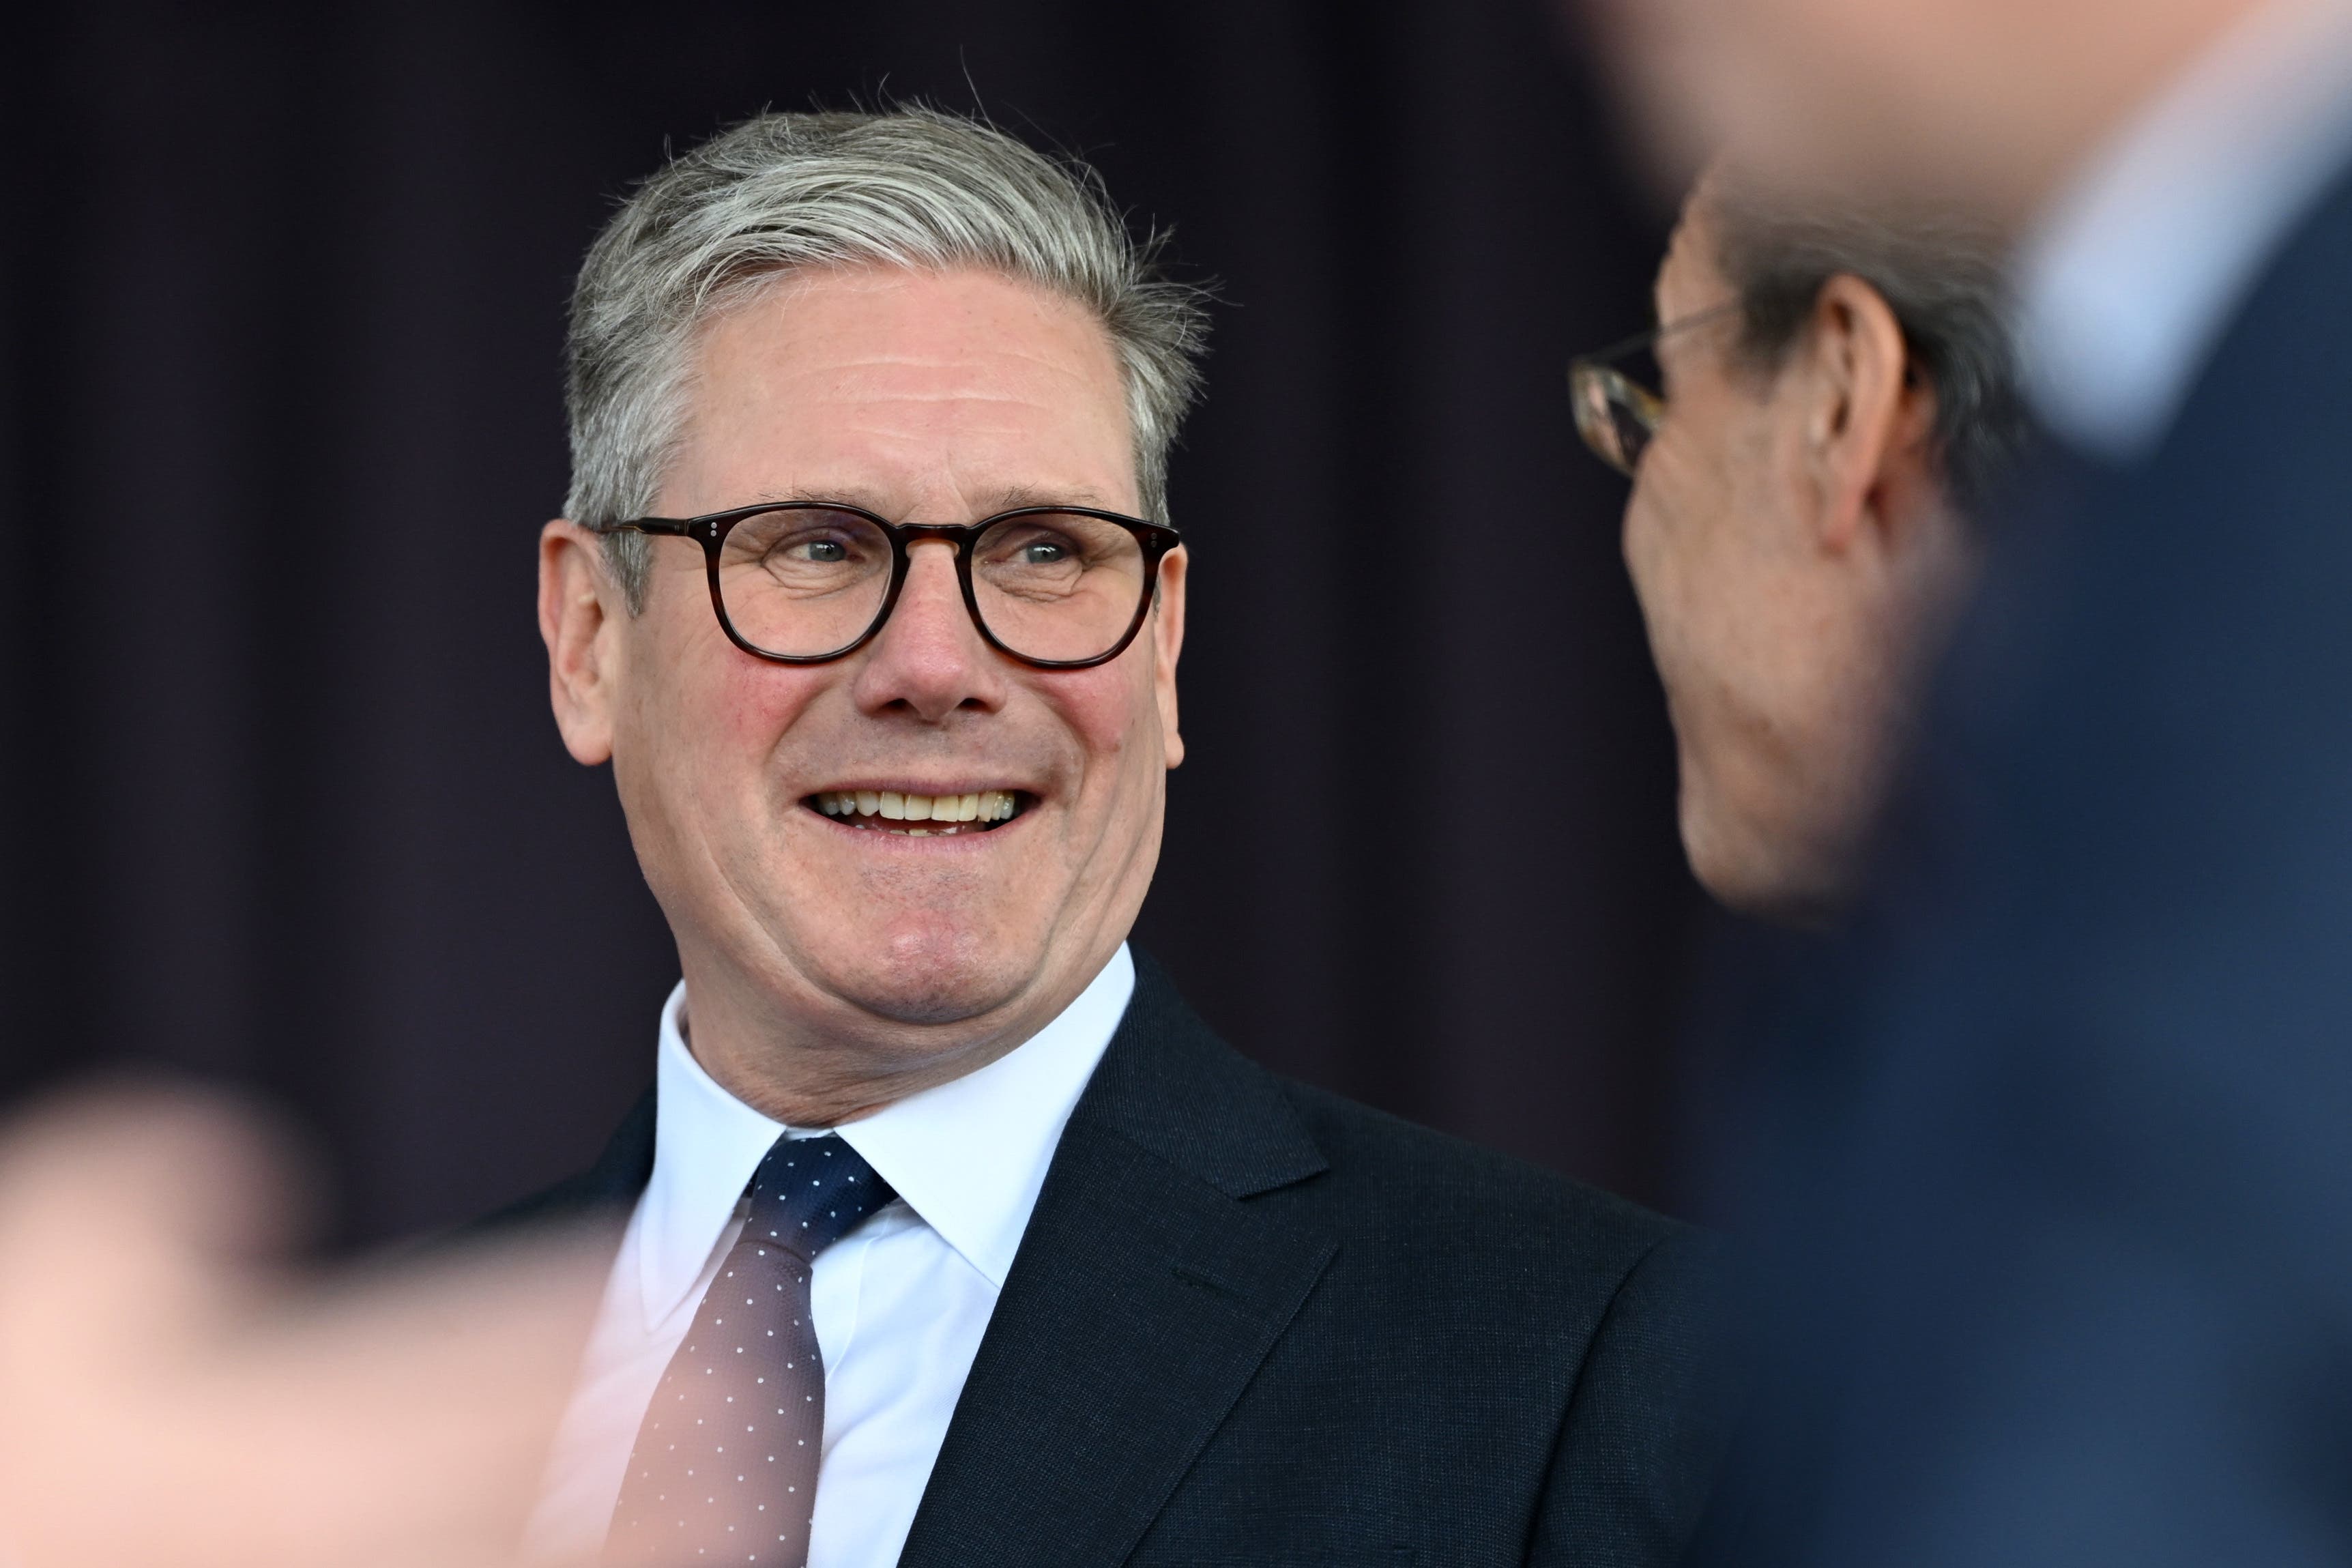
(887, 457)
(1021, 352)
(897, 410)
(871, 382)
(871, 397)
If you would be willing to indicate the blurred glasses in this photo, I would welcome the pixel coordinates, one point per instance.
(1616, 414)
(805, 581)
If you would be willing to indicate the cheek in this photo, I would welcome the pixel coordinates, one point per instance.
(1686, 524)
(713, 716)
(1658, 532)
(744, 708)
(1676, 527)
(1113, 715)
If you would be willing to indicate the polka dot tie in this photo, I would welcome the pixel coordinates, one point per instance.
(725, 1466)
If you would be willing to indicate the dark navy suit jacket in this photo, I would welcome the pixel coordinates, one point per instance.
(1253, 1323)
(2065, 1151)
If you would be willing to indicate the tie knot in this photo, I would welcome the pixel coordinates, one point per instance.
(809, 1193)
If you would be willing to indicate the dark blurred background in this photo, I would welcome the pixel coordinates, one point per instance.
(283, 292)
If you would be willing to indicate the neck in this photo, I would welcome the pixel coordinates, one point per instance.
(821, 1061)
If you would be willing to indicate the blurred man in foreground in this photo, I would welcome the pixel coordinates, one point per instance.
(2082, 1277)
(169, 1398)
(1836, 380)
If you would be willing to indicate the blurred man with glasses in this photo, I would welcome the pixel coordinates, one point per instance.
(954, 1237)
(1835, 384)
(2076, 1288)
(1830, 392)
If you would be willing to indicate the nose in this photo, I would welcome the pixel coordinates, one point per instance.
(929, 659)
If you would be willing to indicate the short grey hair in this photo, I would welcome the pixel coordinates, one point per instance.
(1942, 279)
(911, 188)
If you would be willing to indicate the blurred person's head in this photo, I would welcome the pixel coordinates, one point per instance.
(1984, 104)
(890, 846)
(1836, 381)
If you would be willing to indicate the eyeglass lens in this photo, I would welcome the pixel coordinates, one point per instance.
(805, 581)
(1615, 416)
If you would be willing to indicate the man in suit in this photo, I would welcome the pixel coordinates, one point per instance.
(2079, 1281)
(992, 1251)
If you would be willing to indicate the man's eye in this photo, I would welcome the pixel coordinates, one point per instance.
(821, 550)
(1043, 552)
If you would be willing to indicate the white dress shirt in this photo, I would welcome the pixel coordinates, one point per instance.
(2137, 268)
(899, 1304)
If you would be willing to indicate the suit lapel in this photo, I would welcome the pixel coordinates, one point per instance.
(1146, 1293)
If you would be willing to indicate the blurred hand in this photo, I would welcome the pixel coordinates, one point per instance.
(169, 1400)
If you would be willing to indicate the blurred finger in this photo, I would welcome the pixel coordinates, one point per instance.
(166, 1398)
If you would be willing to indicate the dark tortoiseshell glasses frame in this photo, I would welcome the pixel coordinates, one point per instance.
(1154, 540)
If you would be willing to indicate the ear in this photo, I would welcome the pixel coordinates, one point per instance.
(580, 617)
(1869, 424)
(1167, 632)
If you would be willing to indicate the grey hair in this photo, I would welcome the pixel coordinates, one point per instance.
(1941, 278)
(911, 188)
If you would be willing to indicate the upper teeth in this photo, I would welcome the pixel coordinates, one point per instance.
(983, 806)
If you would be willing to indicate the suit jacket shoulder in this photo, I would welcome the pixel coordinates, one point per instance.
(1502, 1212)
(1633, 1300)
(1254, 1322)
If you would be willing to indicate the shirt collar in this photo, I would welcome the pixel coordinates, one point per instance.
(2137, 268)
(968, 1155)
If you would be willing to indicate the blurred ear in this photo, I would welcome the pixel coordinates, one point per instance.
(581, 616)
(1166, 634)
(1869, 424)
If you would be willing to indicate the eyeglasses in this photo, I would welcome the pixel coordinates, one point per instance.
(1058, 587)
(1616, 414)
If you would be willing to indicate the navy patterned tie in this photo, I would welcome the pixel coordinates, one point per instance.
(725, 1466)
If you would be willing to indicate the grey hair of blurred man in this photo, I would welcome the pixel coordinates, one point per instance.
(1797, 533)
(1941, 276)
(781, 193)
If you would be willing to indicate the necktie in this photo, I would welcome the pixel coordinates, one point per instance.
(725, 1466)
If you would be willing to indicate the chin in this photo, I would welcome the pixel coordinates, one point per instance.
(930, 971)
(1752, 870)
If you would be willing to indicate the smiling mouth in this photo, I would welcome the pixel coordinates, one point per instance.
(919, 815)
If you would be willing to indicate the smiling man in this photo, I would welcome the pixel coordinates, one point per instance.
(953, 1236)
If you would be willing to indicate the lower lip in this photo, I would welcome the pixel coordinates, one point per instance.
(968, 833)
